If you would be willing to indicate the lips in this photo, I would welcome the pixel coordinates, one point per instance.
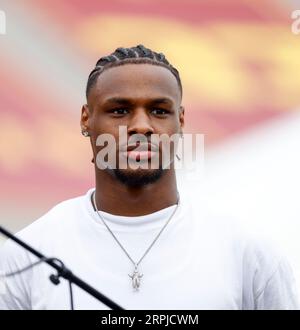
(142, 147)
(140, 155)
(140, 151)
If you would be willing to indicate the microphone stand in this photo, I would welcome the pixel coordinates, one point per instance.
(64, 272)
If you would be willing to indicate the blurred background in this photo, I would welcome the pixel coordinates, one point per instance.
(239, 62)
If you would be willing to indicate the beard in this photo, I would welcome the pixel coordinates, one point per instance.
(137, 178)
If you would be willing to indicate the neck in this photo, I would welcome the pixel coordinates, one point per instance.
(117, 198)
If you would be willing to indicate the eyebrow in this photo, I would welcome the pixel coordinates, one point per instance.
(128, 102)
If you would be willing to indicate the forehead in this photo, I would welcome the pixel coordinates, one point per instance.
(136, 82)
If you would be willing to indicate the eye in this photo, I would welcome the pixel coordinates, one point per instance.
(159, 112)
(119, 111)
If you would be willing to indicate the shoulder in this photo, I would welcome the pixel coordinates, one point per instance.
(268, 280)
(251, 247)
(54, 220)
(50, 227)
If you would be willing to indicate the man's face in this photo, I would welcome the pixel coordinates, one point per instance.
(143, 97)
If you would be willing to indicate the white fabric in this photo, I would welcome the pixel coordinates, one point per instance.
(199, 262)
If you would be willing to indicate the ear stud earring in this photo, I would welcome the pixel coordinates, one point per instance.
(85, 133)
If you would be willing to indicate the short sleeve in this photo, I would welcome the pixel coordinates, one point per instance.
(280, 291)
(14, 293)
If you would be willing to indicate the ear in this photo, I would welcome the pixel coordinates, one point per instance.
(85, 118)
(181, 117)
(85, 121)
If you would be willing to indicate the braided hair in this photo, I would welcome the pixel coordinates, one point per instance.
(135, 55)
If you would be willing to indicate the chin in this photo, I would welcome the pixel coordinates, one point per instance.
(138, 177)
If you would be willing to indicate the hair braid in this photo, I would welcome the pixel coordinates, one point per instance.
(136, 55)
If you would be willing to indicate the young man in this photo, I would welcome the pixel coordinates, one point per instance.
(134, 237)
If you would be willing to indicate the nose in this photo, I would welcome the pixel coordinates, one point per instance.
(140, 123)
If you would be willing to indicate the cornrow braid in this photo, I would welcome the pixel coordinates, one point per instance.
(135, 55)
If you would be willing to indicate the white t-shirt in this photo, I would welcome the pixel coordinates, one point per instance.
(199, 262)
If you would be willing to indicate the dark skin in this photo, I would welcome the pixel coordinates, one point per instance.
(146, 98)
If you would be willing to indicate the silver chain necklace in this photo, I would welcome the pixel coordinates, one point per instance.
(135, 276)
